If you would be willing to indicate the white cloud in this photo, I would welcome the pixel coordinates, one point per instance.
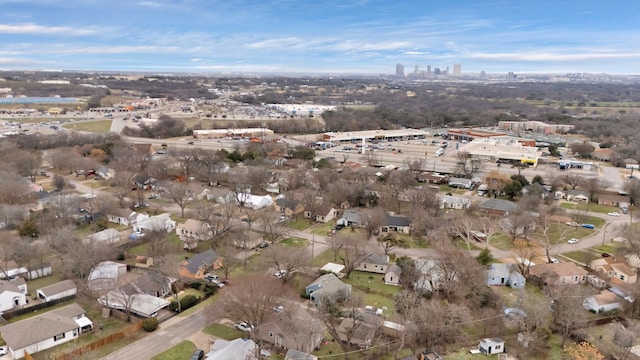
(550, 56)
(44, 30)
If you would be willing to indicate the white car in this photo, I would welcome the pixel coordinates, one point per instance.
(614, 213)
(243, 326)
(572, 241)
(278, 308)
(280, 274)
(4, 350)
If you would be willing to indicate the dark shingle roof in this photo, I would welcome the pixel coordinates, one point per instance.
(392, 220)
(206, 258)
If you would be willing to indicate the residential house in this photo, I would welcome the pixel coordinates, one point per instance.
(392, 329)
(254, 202)
(142, 305)
(151, 283)
(144, 182)
(327, 285)
(200, 264)
(505, 275)
(433, 178)
(454, 202)
(615, 269)
(244, 349)
(392, 276)
(105, 173)
(287, 206)
(191, 232)
(298, 355)
(125, 217)
(578, 196)
(46, 330)
(352, 218)
(490, 346)
(293, 329)
(605, 301)
(357, 333)
(248, 241)
(461, 183)
(566, 273)
(220, 195)
(11, 296)
(105, 275)
(143, 261)
(603, 154)
(393, 223)
(21, 283)
(613, 200)
(323, 214)
(104, 237)
(498, 207)
(430, 276)
(154, 223)
(373, 263)
(57, 291)
(631, 163)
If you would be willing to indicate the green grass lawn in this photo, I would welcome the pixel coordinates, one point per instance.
(39, 283)
(581, 256)
(183, 350)
(99, 126)
(603, 209)
(327, 350)
(294, 242)
(223, 331)
(323, 229)
(611, 247)
(377, 301)
(299, 223)
(191, 291)
(323, 258)
(462, 245)
(501, 241)
(364, 280)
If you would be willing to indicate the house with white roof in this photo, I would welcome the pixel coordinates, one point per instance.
(104, 237)
(57, 291)
(105, 275)
(158, 222)
(143, 305)
(232, 350)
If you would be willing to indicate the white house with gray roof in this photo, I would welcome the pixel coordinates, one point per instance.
(329, 286)
(374, 263)
(393, 223)
(105, 275)
(45, 331)
(104, 237)
(505, 275)
(454, 202)
(352, 218)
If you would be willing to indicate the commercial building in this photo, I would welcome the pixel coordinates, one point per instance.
(534, 126)
(457, 69)
(232, 133)
(471, 134)
(507, 150)
(374, 135)
(399, 70)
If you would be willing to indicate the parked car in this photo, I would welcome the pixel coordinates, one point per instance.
(211, 277)
(572, 241)
(198, 355)
(614, 213)
(4, 350)
(280, 274)
(136, 235)
(278, 308)
(588, 226)
(263, 245)
(243, 326)
(606, 255)
(572, 223)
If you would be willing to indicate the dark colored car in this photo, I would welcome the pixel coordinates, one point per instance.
(606, 255)
(198, 355)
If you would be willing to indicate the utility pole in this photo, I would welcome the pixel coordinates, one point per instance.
(604, 232)
(313, 242)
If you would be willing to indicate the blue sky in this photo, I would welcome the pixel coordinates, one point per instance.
(321, 36)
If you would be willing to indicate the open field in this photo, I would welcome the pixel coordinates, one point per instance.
(98, 126)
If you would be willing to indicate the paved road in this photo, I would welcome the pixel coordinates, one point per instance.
(170, 333)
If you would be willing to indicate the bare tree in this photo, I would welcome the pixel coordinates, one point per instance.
(157, 243)
(526, 251)
(12, 188)
(274, 229)
(352, 250)
(59, 182)
(177, 193)
(286, 259)
(566, 304)
(266, 293)
(593, 186)
(438, 323)
(464, 227)
(373, 220)
(399, 181)
(333, 312)
(217, 225)
(467, 165)
(391, 241)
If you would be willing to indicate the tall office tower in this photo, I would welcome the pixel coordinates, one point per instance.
(436, 71)
(399, 70)
(483, 74)
(428, 69)
(511, 76)
(457, 69)
(416, 69)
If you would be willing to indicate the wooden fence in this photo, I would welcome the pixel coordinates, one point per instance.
(128, 331)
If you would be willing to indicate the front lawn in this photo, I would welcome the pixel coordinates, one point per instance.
(183, 350)
(323, 229)
(603, 209)
(325, 257)
(295, 242)
(369, 281)
(581, 256)
(501, 241)
(223, 332)
(299, 223)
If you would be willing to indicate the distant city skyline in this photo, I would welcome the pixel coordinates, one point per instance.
(346, 36)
